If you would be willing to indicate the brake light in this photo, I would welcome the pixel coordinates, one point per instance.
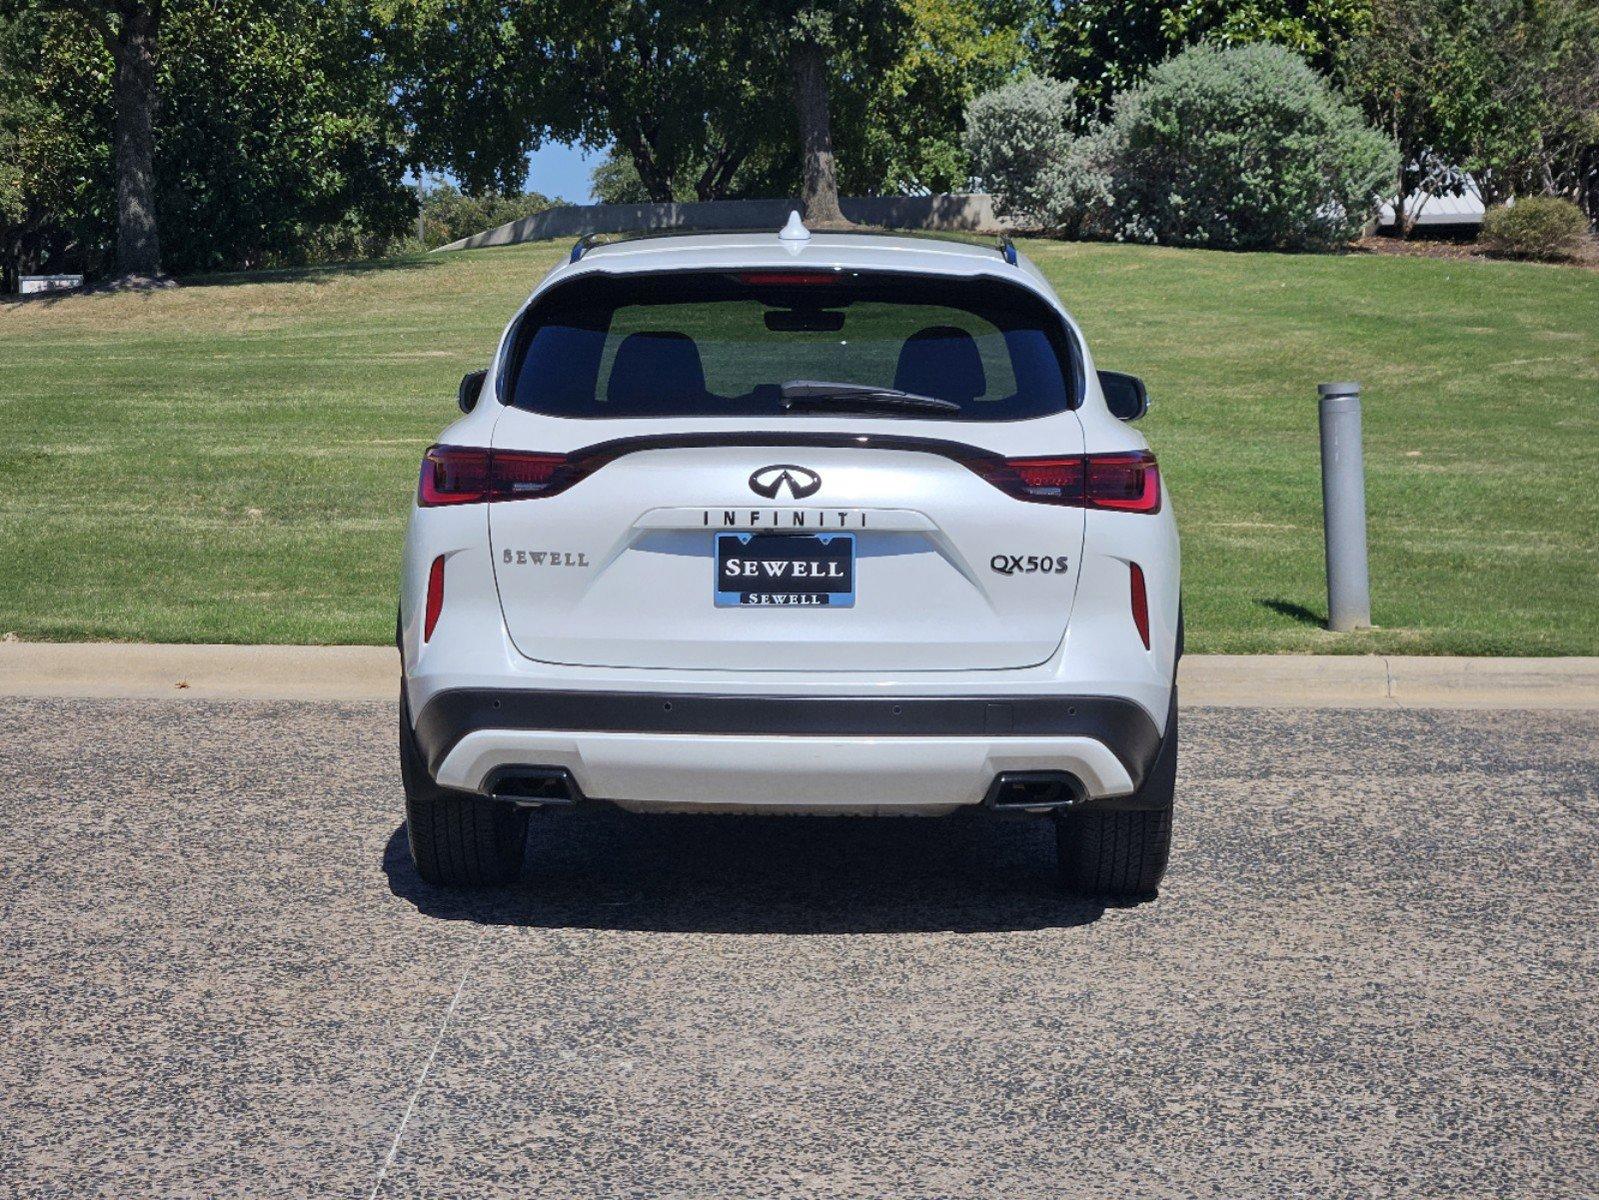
(1123, 482)
(785, 278)
(435, 599)
(517, 474)
(1140, 600)
(473, 475)
(1049, 480)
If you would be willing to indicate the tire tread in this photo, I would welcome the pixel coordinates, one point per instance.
(1123, 853)
(457, 839)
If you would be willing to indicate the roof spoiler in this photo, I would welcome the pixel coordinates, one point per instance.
(794, 231)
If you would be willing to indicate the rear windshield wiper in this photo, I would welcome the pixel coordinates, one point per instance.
(814, 393)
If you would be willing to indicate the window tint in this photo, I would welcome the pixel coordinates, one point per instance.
(713, 344)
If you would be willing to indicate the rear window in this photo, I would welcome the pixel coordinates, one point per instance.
(715, 344)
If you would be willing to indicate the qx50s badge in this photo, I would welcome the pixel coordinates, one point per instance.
(799, 481)
(1029, 564)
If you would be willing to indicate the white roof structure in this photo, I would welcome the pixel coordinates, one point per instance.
(1464, 209)
(820, 250)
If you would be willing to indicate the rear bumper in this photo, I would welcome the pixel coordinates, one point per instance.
(912, 753)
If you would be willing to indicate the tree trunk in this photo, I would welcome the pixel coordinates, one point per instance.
(1401, 211)
(655, 181)
(718, 174)
(133, 47)
(819, 192)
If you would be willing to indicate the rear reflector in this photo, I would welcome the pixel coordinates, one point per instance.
(1140, 603)
(435, 599)
(1123, 482)
(473, 475)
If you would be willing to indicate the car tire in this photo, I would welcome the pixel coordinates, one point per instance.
(457, 839)
(1123, 853)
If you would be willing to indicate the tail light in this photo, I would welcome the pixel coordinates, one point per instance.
(1140, 599)
(435, 598)
(474, 475)
(1122, 482)
(1047, 480)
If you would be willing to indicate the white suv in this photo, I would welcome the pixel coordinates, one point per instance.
(789, 523)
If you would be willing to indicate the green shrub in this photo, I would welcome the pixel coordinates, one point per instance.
(1241, 148)
(1018, 141)
(448, 215)
(1542, 227)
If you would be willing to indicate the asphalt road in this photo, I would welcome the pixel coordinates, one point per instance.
(1372, 973)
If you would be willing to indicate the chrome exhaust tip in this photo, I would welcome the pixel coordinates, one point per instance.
(532, 787)
(1034, 791)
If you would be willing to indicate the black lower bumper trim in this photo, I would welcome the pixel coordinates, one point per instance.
(1123, 726)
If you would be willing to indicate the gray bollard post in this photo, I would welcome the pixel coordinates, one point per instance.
(1343, 497)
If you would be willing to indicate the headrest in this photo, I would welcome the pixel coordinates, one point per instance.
(655, 369)
(941, 361)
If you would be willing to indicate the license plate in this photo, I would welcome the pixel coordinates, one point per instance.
(785, 570)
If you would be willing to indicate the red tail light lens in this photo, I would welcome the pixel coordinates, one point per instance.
(1128, 482)
(1124, 482)
(517, 474)
(453, 475)
(473, 475)
(1140, 598)
(1049, 480)
(435, 599)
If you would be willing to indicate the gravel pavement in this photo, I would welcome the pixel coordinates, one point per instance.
(1372, 973)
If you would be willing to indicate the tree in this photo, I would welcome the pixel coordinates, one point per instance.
(682, 93)
(1507, 90)
(1109, 45)
(847, 40)
(811, 38)
(901, 126)
(55, 150)
(130, 30)
(682, 87)
(277, 141)
(1524, 97)
(679, 87)
(1399, 72)
(274, 140)
(615, 181)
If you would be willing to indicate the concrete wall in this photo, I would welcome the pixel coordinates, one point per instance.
(971, 213)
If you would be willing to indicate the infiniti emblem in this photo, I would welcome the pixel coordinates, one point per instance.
(800, 481)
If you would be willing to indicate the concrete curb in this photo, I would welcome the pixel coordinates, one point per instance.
(1380, 681)
(137, 670)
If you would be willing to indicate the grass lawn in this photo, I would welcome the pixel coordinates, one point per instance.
(232, 460)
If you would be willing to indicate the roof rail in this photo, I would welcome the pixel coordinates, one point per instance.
(1006, 249)
(581, 247)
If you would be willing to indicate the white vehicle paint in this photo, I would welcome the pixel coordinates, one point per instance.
(584, 630)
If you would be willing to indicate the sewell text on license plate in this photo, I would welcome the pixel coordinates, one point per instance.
(785, 570)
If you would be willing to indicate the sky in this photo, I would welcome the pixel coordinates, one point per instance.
(560, 170)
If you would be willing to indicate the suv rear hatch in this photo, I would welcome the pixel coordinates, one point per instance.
(795, 540)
